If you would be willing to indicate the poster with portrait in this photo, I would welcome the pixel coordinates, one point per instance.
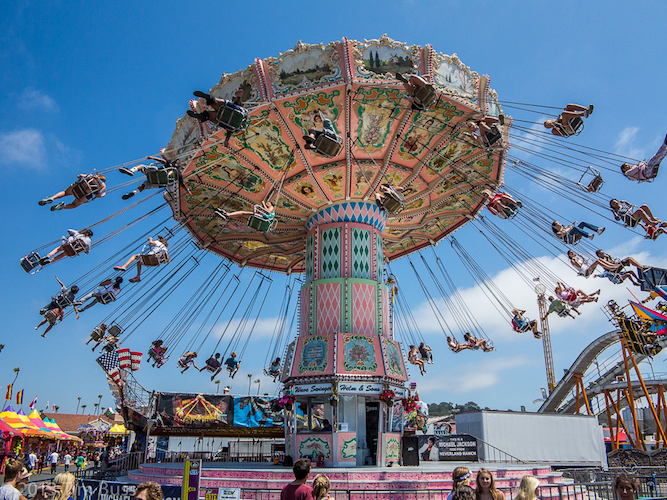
(452, 448)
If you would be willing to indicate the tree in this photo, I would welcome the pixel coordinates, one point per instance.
(377, 61)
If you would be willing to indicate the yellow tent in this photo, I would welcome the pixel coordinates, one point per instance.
(118, 430)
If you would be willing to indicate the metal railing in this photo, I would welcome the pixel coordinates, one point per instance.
(492, 454)
(217, 456)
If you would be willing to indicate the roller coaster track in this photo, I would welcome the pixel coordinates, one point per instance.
(557, 400)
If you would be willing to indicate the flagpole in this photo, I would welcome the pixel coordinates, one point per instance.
(17, 370)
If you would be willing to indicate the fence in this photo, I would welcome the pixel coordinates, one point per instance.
(217, 456)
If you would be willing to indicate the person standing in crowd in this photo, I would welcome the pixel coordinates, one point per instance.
(321, 487)
(66, 481)
(464, 492)
(53, 460)
(529, 489)
(32, 461)
(149, 490)
(67, 459)
(486, 486)
(460, 477)
(298, 489)
(9, 489)
(625, 487)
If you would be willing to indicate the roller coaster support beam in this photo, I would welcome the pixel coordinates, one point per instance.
(631, 399)
(656, 415)
(546, 337)
(580, 387)
(619, 422)
(662, 403)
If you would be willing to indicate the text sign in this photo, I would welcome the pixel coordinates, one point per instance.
(109, 490)
(355, 388)
(222, 493)
(452, 447)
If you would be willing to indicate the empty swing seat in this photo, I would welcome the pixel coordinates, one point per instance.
(86, 188)
(162, 177)
(114, 330)
(393, 202)
(74, 247)
(424, 96)
(328, 145)
(232, 117)
(30, 263)
(595, 183)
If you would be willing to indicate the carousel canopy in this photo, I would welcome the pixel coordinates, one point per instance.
(430, 154)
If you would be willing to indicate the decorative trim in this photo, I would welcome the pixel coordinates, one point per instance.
(350, 211)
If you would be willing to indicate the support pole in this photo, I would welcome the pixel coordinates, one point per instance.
(656, 416)
(631, 399)
(612, 434)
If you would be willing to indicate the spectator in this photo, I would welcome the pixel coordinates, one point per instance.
(32, 461)
(625, 487)
(9, 490)
(66, 481)
(298, 489)
(460, 477)
(53, 460)
(148, 491)
(464, 492)
(321, 487)
(529, 489)
(486, 486)
(67, 459)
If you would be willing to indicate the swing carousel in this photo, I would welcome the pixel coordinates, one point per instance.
(410, 143)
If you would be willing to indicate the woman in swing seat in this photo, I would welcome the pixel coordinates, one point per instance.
(631, 216)
(501, 204)
(487, 130)
(572, 234)
(96, 184)
(80, 239)
(563, 125)
(455, 345)
(415, 359)
(267, 212)
(157, 247)
(646, 171)
(321, 126)
(572, 296)
(476, 343)
(522, 324)
(187, 360)
(413, 87)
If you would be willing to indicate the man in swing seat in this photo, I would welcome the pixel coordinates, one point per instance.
(572, 234)
(62, 299)
(107, 292)
(232, 364)
(570, 122)
(487, 130)
(75, 243)
(261, 219)
(501, 204)
(389, 198)
(155, 255)
(646, 171)
(187, 360)
(274, 369)
(631, 216)
(421, 93)
(213, 365)
(560, 308)
(160, 174)
(230, 115)
(86, 188)
(522, 324)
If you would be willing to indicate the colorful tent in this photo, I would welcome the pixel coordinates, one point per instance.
(118, 430)
(22, 424)
(659, 321)
(55, 428)
(37, 421)
(6, 429)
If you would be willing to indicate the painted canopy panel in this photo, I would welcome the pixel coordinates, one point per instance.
(430, 154)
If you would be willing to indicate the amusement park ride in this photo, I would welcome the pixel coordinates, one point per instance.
(330, 162)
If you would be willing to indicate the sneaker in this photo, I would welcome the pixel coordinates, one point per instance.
(44, 261)
(590, 236)
(125, 171)
(119, 268)
(601, 230)
(58, 206)
(127, 196)
(77, 303)
(589, 111)
(136, 279)
(309, 146)
(401, 78)
(209, 99)
(221, 213)
(36, 327)
(308, 139)
(42, 312)
(46, 201)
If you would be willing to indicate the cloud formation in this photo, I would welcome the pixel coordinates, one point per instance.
(625, 143)
(33, 98)
(23, 148)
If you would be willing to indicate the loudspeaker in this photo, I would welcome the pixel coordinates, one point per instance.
(410, 449)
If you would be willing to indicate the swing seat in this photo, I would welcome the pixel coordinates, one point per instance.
(267, 372)
(162, 177)
(30, 263)
(393, 202)
(232, 117)
(261, 220)
(62, 301)
(490, 138)
(114, 330)
(86, 188)
(328, 145)
(106, 298)
(74, 247)
(424, 96)
(153, 259)
(594, 184)
(517, 329)
(564, 313)
(576, 124)
(50, 316)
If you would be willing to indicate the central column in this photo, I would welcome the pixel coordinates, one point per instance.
(345, 355)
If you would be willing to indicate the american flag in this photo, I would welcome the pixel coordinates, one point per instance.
(136, 360)
(125, 359)
(111, 365)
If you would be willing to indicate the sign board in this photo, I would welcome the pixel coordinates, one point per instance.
(110, 490)
(357, 388)
(452, 447)
(311, 389)
(151, 446)
(222, 493)
(191, 474)
(342, 426)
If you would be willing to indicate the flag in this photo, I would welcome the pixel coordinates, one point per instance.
(46, 408)
(34, 402)
(8, 396)
(19, 397)
(111, 365)
(124, 358)
(136, 360)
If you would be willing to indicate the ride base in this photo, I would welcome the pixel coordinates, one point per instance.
(260, 480)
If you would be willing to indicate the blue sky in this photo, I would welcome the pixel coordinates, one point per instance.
(87, 85)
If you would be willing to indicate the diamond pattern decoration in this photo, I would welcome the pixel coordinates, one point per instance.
(328, 308)
(363, 308)
(360, 250)
(330, 256)
(353, 211)
(310, 257)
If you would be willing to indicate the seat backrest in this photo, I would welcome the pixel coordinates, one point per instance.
(425, 95)
(82, 188)
(259, 223)
(231, 118)
(106, 297)
(114, 330)
(162, 177)
(327, 145)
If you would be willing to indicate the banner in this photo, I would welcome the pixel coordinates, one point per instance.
(191, 475)
(222, 493)
(254, 411)
(453, 447)
(195, 410)
(110, 490)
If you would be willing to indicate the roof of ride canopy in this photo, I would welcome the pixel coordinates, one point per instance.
(429, 153)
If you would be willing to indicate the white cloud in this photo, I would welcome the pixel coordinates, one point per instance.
(32, 98)
(469, 377)
(625, 143)
(23, 148)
